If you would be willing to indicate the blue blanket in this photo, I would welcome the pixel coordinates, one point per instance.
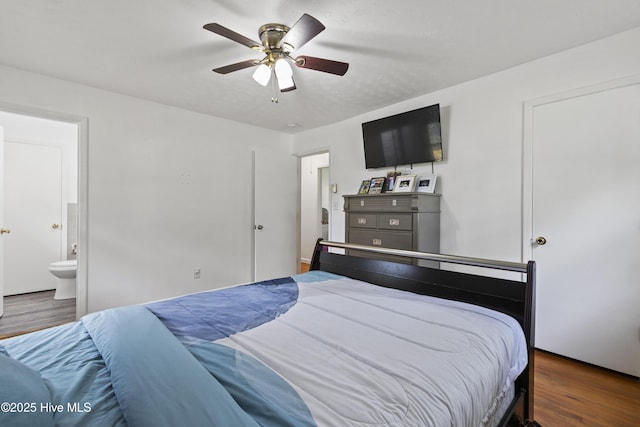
(212, 315)
(155, 378)
(127, 368)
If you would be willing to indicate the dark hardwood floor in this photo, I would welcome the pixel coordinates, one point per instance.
(37, 310)
(570, 393)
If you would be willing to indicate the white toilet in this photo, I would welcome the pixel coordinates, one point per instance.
(65, 271)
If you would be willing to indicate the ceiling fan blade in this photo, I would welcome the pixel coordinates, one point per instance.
(232, 35)
(321, 64)
(305, 28)
(237, 66)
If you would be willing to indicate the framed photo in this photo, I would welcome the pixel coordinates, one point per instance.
(391, 180)
(426, 183)
(377, 185)
(404, 184)
(364, 187)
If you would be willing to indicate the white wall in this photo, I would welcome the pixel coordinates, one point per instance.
(159, 199)
(481, 177)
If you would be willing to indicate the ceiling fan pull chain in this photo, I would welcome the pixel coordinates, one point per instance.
(274, 87)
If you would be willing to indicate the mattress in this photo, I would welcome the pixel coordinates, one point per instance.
(312, 349)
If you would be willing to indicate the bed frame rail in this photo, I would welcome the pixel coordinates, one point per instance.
(512, 297)
(455, 259)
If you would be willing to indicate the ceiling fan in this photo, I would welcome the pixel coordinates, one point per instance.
(278, 43)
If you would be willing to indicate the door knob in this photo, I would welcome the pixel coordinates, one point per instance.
(55, 226)
(258, 227)
(5, 231)
(541, 241)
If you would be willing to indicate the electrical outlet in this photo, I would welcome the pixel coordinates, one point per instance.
(196, 273)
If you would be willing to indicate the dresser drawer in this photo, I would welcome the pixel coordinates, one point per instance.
(379, 203)
(362, 220)
(384, 239)
(395, 222)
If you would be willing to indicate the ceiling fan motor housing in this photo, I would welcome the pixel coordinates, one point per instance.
(271, 35)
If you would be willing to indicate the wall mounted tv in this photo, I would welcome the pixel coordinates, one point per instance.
(403, 139)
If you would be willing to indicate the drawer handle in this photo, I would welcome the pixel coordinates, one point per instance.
(362, 220)
(394, 221)
(377, 242)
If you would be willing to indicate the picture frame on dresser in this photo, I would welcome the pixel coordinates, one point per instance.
(426, 183)
(377, 185)
(364, 186)
(405, 184)
(391, 179)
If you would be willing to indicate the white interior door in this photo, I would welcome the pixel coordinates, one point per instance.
(275, 213)
(3, 230)
(33, 212)
(585, 200)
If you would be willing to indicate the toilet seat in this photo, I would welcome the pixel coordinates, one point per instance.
(64, 269)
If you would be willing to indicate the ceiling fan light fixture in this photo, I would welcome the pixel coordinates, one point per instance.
(284, 74)
(262, 75)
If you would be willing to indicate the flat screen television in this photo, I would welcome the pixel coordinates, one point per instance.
(403, 139)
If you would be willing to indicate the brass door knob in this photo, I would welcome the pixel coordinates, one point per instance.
(541, 241)
(5, 231)
(55, 226)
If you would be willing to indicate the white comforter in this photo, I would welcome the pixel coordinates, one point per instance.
(424, 361)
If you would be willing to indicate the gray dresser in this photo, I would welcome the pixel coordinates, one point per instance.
(394, 220)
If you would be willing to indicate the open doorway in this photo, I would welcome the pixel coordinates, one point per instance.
(39, 192)
(315, 203)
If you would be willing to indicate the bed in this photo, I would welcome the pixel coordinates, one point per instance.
(353, 342)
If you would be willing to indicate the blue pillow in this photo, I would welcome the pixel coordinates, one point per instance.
(22, 391)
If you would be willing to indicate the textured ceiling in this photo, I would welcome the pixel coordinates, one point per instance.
(157, 49)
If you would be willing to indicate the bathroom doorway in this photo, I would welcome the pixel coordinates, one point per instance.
(315, 202)
(39, 189)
